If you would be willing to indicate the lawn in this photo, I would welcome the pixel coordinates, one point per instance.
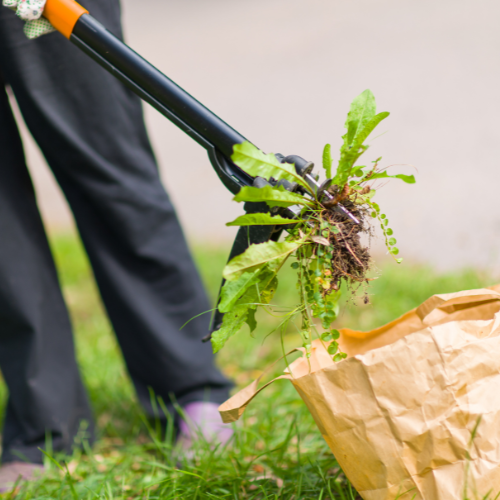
(277, 452)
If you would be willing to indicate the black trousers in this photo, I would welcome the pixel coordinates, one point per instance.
(90, 129)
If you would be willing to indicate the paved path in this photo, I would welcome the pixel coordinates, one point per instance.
(283, 73)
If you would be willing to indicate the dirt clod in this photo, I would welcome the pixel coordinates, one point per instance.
(350, 259)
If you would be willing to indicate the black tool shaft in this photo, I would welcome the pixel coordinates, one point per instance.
(154, 87)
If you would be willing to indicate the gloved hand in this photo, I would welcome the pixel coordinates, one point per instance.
(31, 12)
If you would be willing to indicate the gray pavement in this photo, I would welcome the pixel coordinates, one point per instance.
(283, 72)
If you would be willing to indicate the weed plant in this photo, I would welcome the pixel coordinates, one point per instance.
(324, 225)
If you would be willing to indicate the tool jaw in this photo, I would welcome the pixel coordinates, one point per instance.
(231, 176)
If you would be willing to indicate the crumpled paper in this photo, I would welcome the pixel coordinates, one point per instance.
(415, 408)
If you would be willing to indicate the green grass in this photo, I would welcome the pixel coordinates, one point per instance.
(277, 452)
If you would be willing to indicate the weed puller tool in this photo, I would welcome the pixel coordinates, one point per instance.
(207, 129)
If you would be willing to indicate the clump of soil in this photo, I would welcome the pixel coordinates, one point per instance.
(350, 259)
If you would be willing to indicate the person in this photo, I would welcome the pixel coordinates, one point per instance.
(91, 131)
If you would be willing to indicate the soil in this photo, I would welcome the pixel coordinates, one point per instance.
(351, 259)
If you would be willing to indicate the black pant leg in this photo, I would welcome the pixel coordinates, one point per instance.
(37, 359)
(91, 130)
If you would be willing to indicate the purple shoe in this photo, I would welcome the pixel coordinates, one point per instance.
(12, 471)
(202, 420)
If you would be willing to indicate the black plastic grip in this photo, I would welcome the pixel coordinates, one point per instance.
(154, 87)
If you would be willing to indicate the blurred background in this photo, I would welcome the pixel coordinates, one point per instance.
(283, 73)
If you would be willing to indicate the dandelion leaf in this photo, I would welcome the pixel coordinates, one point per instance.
(231, 324)
(254, 290)
(363, 109)
(260, 220)
(251, 321)
(233, 290)
(256, 256)
(409, 179)
(273, 196)
(256, 163)
(361, 121)
(327, 160)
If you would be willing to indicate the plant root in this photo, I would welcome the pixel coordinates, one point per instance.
(350, 258)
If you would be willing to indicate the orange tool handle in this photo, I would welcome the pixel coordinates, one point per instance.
(63, 15)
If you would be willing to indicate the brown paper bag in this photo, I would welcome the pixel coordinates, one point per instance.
(400, 411)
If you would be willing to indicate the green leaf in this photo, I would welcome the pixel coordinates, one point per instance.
(399, 260)
(326, 336)
(361, 121)
(257, 255)
(361, 171)
(231, 324)
(362, 110)
(256, 163)
(347, 159)
(233, 290)
(260, 288)
(275, 265)
(335, 334)
(409, 179)
(260, 220)
(273, 196)
(394, 251)
(267, 294)
(389, 231)
(369, 127)
(333, 348)
(327, 160)
(392, 241)
(251, 321)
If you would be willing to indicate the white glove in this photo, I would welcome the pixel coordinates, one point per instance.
(31, 12)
